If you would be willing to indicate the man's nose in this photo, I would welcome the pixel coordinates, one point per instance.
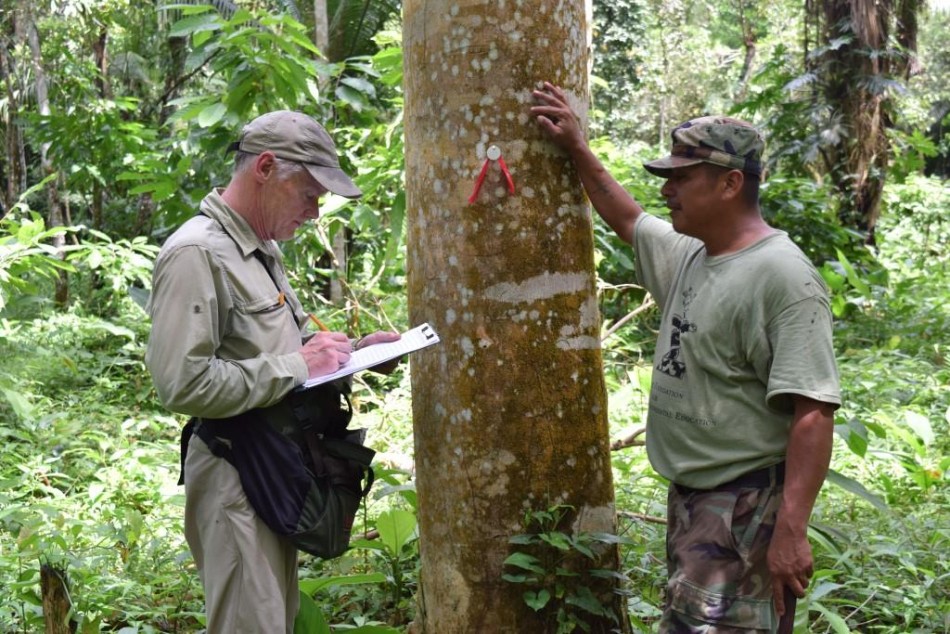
(313, 211)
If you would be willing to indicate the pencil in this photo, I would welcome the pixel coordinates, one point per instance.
(319, 323)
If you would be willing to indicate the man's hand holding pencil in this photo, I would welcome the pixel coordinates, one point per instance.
(327, 348)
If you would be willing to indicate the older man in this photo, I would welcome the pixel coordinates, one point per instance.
(229, 335)
(744, 382)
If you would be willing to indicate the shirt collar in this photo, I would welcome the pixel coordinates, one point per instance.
(234, 224)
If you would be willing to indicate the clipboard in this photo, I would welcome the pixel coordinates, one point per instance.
(422, 336)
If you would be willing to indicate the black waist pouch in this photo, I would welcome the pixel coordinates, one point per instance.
(303, 471)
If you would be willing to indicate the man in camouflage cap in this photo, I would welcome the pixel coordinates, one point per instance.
(744, 384)
(716, 140)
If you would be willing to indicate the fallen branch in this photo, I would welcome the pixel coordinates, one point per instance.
(646, 304)
(629, 441)
(643, 518)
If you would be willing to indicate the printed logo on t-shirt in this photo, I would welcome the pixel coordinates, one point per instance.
(672, 364)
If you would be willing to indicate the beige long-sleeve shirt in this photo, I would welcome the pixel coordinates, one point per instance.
(222, 342)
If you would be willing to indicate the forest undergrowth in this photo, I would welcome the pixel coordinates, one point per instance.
(90, 463)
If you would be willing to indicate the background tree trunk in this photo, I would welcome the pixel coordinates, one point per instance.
(41, 86)
(510, 409)
(858, 72)
(13, 172)
(54, 590)
(860, 166)
(338, 257)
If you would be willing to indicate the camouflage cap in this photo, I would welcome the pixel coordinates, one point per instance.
(294, 136)
(717, 140)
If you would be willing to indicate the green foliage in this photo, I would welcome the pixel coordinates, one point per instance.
(546, 564)
(25, 252)
(87, 474)
(89, 482)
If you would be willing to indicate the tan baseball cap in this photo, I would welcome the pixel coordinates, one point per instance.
(294, 136)
(718, 140)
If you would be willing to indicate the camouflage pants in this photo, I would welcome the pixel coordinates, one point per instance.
(716, 558)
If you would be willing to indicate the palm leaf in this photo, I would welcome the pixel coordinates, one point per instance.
(353, 23)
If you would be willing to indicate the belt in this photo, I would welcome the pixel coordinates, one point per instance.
(766, 477)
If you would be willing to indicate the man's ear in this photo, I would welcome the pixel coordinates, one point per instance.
(264, 166)
(732, 182)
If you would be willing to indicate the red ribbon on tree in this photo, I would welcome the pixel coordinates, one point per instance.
(493, 154)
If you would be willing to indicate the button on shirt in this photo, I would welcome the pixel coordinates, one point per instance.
(222, 340)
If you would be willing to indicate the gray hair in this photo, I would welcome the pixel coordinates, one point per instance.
(285, 168)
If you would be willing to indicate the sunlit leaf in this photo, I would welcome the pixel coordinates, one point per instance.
(921, 426)
(853, 486)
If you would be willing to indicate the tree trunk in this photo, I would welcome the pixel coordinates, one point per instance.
(54, 590)
(859, 162)
(749, 39)
(321, 27)
(510, 409)
(14, 168)
(55, 212)
(338, 259)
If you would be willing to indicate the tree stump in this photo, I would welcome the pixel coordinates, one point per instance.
(54, 588)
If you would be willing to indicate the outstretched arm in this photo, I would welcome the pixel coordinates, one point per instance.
(559, 122)
(806, 464)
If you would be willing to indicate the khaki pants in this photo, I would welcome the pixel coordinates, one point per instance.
(249, 573)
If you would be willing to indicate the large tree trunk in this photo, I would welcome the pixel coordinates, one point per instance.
(859, 162)
(855, 88)
(510, 409)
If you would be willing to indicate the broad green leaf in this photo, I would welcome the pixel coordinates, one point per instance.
(525, 562)
(361, 85)
(354, 98)
(94, 261)
(21, 406)
(523, 539)
(537, 600)
(585, 600)
(921, 426)
(583, 549)
(396, 528)
(311, 586)
(195, 24)
(556, 539)
(212, 114)
(187, 9)
(822, 589)
(310, 619)
(853, 486)
(837, 623)
(853, 276)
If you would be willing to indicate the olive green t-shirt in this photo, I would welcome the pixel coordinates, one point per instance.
(222, 340)
(741, 334)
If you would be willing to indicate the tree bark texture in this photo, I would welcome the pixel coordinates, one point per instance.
(41, 87)
(54, 590)
(855, 88)
(510, 408)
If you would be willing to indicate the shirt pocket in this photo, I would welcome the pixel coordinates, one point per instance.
(266, 323)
